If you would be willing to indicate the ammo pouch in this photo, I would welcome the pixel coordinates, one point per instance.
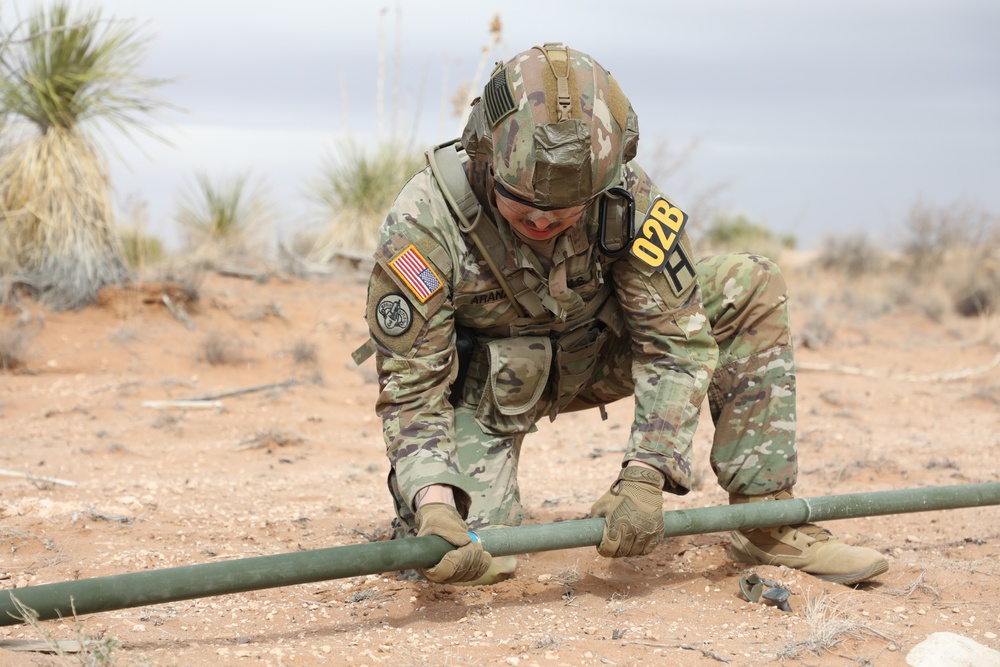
(514, 381)
(577, 352)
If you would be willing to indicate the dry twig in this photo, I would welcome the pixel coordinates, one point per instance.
(191, 404)
(687, 647)
(178, 312)
(247, 390)
(37, 478)
(960, 374)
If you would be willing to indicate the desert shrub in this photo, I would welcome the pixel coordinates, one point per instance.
(355, 190)
(955, 246)
(737, 233)
(934, 237)
(979, 292)
(853, 255)
(224, 217)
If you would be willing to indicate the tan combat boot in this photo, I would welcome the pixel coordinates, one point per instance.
(805, 547)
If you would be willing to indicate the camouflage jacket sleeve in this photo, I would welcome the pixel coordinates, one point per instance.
(411, 318)
(674, 353)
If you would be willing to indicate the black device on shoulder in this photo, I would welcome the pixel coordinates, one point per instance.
(622, 229)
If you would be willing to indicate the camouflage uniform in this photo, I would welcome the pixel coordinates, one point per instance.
(610, 328)
(585, 293)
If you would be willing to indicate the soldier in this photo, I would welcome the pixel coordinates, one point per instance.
(532, 269)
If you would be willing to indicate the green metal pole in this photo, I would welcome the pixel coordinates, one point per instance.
(88, 596)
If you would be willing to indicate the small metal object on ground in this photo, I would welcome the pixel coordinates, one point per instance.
(752, 588)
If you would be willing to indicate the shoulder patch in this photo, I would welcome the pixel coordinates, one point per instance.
(416, 273)
(392, 319)
(678, 276)
(658, 236)
(394, 314)
(680, 270)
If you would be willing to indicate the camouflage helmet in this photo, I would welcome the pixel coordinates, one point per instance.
(553, 125)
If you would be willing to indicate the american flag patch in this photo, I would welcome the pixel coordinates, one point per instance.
(411, 266)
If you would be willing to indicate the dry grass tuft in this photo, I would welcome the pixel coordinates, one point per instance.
(918, 584)
(304, 353)
(831, 622)
(219, 350)
(270, 438)
(86, 650)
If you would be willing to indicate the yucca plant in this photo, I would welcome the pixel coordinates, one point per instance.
(223, 218)
(356, 188)
(59, 74)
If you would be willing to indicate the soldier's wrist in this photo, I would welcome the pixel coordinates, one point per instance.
(434, 493)
(643, 473)
(641, 464)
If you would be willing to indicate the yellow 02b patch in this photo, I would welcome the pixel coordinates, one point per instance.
(659, 234)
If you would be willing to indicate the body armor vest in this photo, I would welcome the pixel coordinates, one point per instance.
(569, 348)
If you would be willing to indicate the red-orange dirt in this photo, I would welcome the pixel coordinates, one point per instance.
(302, 466)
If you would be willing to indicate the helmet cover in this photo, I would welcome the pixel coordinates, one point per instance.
(554, 126)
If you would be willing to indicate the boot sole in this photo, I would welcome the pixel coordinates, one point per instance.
(856, 577)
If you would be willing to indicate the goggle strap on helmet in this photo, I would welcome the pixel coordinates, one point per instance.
(563, 100)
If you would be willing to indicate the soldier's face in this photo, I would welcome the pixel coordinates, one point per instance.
(535, 224)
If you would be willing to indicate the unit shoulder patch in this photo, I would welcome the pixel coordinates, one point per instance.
(394, 314)
(659, 234)
(393, 319)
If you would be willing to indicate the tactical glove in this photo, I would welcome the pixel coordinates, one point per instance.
(633, 513)
(469, 561)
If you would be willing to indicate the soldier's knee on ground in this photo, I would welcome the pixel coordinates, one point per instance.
(501, 568)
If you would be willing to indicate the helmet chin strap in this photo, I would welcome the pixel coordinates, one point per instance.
(563, 100)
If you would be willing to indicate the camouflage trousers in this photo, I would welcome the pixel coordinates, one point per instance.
(751, 397)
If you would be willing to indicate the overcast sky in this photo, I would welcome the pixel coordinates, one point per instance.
(815, 117)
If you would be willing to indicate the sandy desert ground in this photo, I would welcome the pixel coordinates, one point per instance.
(97, 481)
